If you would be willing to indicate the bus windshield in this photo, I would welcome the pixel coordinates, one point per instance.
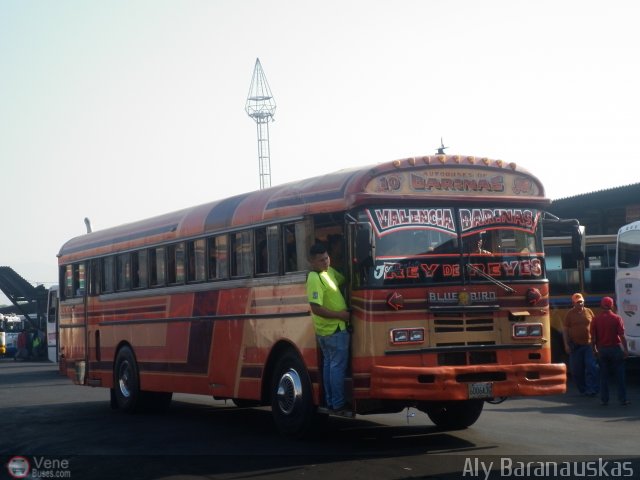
(416, 246)
(629, 249)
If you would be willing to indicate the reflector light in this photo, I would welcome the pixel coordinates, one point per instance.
(533, 296)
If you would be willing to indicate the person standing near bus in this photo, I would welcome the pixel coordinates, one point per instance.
(610, 345)
(330, 316)
(577, 343)
(21, 344)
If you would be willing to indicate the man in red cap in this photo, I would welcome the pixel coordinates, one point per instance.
(610, 345)
(577, 344)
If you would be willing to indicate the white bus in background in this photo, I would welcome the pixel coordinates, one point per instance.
(628, 283)
(52, 324)
(10, 328)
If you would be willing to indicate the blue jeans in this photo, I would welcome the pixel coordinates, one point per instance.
(584, 369)
(612, 361)
(335, 354)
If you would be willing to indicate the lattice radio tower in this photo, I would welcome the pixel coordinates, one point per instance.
(261, 106)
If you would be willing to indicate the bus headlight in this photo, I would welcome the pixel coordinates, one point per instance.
(403, 336)
(527, 330)
(416, 335)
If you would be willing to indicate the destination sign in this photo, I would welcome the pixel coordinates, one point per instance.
(519, 218)
(455, 181)
(443, 219)
(385, 219)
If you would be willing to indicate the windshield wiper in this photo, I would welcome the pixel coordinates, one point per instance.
(504, 286)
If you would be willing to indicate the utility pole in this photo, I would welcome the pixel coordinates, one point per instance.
(261, 106)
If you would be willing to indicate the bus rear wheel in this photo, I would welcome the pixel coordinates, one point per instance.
(454, 415)
(126, 394)
(126, 381)
(291, 398)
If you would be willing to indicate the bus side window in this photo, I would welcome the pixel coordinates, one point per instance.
(139, 269)
(157, 266)
(218, 258)
(266, 255)
(290, 255)
(68, 281)
(241, 259)
(108, 280)
(123, 272)
(195, 260)
(175, 263)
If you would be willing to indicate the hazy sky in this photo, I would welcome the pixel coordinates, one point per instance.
(121, 110)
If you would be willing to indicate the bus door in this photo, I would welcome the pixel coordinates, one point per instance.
(52, 324)
(628, 283)
(73, 328)
(628, 299)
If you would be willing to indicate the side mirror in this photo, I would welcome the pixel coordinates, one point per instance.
(365, 244)
(578, 242)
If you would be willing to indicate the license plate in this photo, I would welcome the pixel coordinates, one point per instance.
(481, 390)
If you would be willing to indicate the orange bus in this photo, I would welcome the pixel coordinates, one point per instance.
(211, 300)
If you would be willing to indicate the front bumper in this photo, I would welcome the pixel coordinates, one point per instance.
(453, 383)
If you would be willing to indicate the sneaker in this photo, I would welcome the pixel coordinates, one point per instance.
(604, 404)
(625, 403)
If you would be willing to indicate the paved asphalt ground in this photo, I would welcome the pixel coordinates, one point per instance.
(45, 418)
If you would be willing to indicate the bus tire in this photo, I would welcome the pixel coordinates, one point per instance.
(454, 415)
(126, 381)
(291, 398)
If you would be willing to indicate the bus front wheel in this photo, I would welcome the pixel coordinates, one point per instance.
(291, 399)
(454, 415)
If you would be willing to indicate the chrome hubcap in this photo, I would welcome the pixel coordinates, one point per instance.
(289, 391)
(123, 380)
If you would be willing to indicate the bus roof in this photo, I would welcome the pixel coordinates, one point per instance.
(441, 178)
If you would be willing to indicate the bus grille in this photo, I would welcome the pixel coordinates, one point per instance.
(444, 323)
(460, 333)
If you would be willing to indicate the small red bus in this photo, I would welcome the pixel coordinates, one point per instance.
(211, 300)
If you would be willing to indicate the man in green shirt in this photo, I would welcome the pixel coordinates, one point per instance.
(330, 316)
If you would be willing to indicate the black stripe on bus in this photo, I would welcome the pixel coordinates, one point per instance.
(221, 215)
(212, 318)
